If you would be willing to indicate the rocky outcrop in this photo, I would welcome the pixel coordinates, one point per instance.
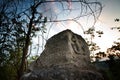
(66, 57)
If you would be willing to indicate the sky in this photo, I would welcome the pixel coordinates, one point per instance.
(110, 11)
(57, 11)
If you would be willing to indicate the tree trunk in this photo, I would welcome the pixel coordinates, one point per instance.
(25, 49)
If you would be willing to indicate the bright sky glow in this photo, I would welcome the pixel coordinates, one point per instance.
(106, 21)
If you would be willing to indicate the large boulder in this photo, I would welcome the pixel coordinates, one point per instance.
(65, 57)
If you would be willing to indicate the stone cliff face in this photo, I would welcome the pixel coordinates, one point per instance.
(66, 57)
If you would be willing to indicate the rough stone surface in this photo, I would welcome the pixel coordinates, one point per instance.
(66, 57)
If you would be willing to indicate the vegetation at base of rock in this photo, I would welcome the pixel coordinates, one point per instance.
(56, 73)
